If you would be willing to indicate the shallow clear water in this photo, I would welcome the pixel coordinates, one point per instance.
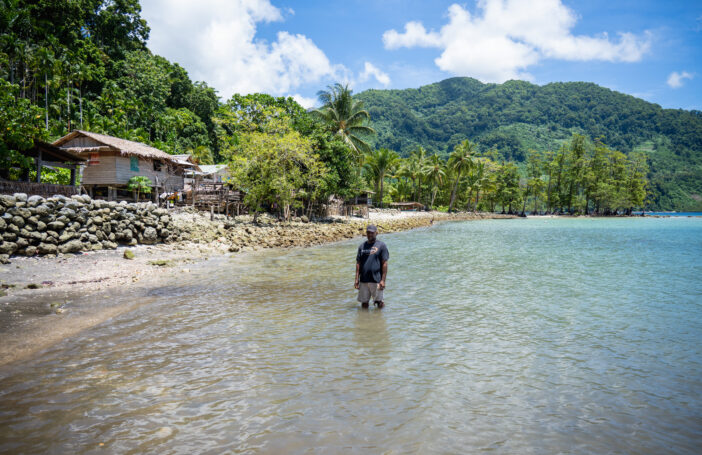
(515, 336)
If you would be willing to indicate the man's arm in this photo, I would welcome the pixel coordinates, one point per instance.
(381, 285)
(358, 274)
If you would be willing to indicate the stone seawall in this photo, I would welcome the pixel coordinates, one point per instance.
(31, 226)
(37, 226)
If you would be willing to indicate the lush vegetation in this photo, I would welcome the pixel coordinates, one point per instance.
(515, 117)
(581, 177)
(466, 145)
(84, 64)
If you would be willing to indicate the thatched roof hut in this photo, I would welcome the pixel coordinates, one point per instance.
(104, 143)
(113, 162)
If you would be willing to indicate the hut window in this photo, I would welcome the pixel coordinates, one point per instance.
(94, 159)
(134, 163)
(157, 165)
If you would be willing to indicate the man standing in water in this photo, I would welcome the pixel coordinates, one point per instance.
(371, 269)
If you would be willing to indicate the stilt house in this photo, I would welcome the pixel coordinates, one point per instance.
(113, 161)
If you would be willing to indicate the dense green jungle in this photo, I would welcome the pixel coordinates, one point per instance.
(512, 118)
(84, 64)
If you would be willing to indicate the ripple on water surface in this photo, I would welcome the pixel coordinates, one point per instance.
(519, 336)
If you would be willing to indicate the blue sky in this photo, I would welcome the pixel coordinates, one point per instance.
(649, 49)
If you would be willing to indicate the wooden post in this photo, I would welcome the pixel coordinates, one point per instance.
(39, 167)
(211, 212)
(73, 176)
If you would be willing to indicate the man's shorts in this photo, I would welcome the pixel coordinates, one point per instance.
(368, 290)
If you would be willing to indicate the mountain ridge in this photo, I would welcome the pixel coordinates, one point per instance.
(516, 116)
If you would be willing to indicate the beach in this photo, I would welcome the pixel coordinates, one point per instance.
(37, 305)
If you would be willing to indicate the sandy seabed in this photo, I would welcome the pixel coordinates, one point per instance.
(37, 295)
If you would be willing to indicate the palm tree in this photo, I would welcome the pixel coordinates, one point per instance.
(435, 171)
(460, 161)
(412, 170)
(476, 178)
(345, 117)
(481, 182)
(419, 157)
(379, 163)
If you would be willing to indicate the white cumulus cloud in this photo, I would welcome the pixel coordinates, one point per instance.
(215, 40)
(304, 101)
(373, 71)
(676, 80)
(506, 37)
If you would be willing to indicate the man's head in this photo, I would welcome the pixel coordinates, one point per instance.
(371, 232)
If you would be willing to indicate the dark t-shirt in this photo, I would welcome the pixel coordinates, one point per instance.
(371, 257)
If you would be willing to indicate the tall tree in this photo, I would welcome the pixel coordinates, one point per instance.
(273, 165)
(379, 164)
(460, 161)
(435, 172)
(345, 117)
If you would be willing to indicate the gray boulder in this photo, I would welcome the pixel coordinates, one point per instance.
(74, 246)
(68, 212)
(108, 245)
(149, 236)
(7, 200)
(7, 247)
(18, 221)
(20, 197)
(33, 201)
(42, 210)
(66, 236)
(47, 248)
(56, 225)
(20, 211)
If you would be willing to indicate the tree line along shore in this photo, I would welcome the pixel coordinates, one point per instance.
(284, 157)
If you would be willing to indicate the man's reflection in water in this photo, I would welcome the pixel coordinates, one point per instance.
(372, 339)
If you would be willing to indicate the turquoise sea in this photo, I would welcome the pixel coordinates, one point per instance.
(537, 335)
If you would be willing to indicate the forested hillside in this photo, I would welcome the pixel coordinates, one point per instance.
(84, 64)
(512, 118)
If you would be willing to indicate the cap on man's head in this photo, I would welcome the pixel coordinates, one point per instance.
(371, 228)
